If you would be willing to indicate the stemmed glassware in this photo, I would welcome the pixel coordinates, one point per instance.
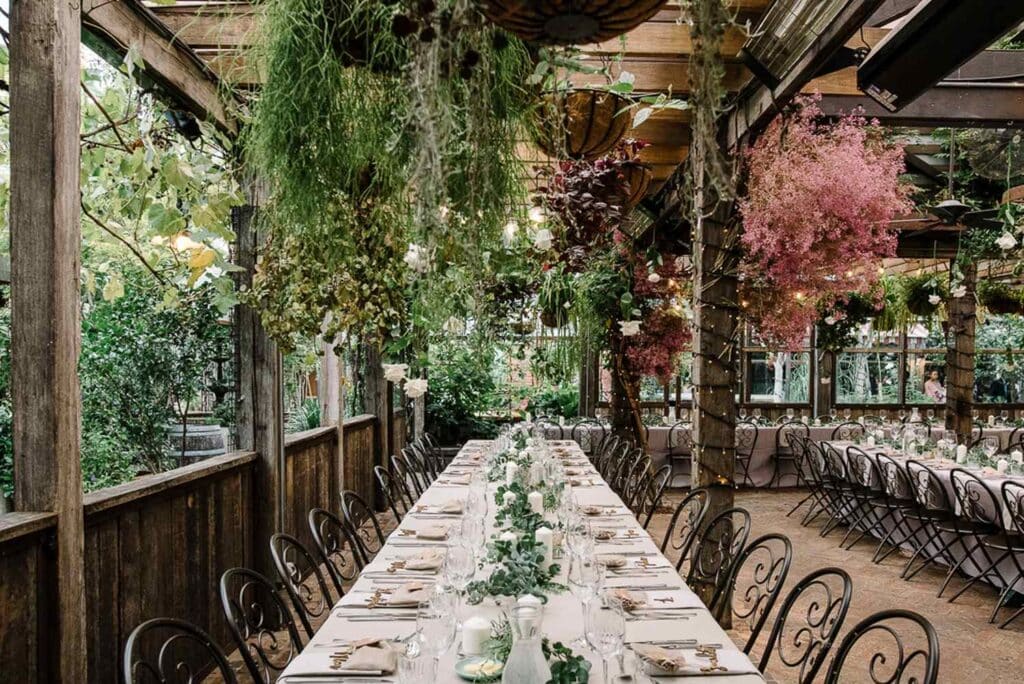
(578, 535)
(585, 580)
(990, 445)
(605, 630)
(458, 569)
(436, 626)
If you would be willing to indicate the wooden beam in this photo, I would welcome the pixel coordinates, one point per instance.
(261, 394)
(890, 11)
(756, 107)
(46, 337)
(170, 62)
(973, 105)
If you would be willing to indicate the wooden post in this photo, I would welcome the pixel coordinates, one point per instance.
(45, 262)
(715, 286)
(590, 380)
(332, 412)
(960, 358)
(825, 368)
(376, 400)
(261, 395)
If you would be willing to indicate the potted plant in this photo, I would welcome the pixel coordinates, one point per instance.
(1000, 298)
(583, 123)
(838, 325)
(555, 298)
(923, 294)
(553, 22)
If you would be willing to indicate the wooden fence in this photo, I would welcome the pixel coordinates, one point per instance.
(158, 545)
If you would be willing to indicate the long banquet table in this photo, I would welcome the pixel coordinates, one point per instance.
(562, 614)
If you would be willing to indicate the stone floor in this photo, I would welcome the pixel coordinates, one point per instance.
(972, 650)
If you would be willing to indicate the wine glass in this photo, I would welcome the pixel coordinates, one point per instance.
(931, 415)
(990, 445)
(1004, 416)
(584, 579)
(605, 630)
(579, 538)
(743, 412)
(847, 414)
(473, 533)
(790, 413)
(436, 627)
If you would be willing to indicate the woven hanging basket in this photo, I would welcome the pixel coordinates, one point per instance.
(569, 22)
(593, 121)
(638, 178)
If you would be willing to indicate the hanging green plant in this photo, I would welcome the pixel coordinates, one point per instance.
(924, 294)
(894, 312)
(555, 298)
(838, 326)
(1000, 298)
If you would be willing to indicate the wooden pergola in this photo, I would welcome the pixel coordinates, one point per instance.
(77, 573)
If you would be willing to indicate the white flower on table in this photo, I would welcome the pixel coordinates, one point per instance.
(1006, 241)
(629, 328)
(395, 372)
(415, 387)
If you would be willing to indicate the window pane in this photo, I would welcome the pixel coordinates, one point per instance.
(651, 390)
(998, 377)
(779, 377)
(926, 378)
(867, 378)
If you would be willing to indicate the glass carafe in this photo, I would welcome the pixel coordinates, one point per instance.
(526, 663)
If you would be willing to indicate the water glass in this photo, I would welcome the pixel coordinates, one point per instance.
(436, 627)
(585, 579)
(416, 669)
(605, 630)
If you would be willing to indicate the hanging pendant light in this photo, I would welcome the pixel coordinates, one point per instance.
(569, 22)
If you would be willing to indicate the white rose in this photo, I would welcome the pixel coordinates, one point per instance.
(830, 320)
(629, 328)
(508, 233)
(934, 299)
(1006, 241)
(395, 372)
(959, 291)
(537, 215)
(416, 258)
(654, 278)
(543, 239)
(415, 387)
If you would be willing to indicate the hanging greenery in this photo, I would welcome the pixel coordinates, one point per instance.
(923, 294)
(838, 325)
(1000, 298)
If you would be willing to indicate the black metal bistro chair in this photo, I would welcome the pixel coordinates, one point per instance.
(892, 655)
(165, 650)
(685, 525)
(337, 547)
(300, 573)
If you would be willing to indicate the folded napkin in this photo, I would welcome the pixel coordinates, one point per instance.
(592, 510)
(373, 655)
(628, 600)
(427, 559)
(611, 560)
(451, 507)
(436, 532)
(574, 471)
(410, 594)
(456, 479)
(660, 660)
(603, 535)
(579, 483)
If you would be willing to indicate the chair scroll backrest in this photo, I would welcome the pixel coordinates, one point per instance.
(890, 658)
(396, 493)
(808, 622)
(655, 491)
(337, 548)
(302, 579)
(260, 623)
(180, 652)
(685, 524)
(764, 565)
(362, 524)
(715, 556)
(974, 499)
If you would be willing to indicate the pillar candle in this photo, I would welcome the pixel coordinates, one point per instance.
(546, 536)
(1002, 465)
(536, 500)
(510, 472)
(508, 498)
(475, 633)
(992, 420)
(508, 537)
(1017, 456)
(961, 453)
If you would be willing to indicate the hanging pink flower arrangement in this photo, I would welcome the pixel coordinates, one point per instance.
(816, 218)
(660, 291)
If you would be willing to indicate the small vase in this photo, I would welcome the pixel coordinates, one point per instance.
(526, 663)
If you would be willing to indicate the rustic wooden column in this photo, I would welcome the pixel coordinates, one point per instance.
(376, 401)
(960, 357)
(590, 383)
(824, 379)
(45, 262)
(715, 285)
(261, 394)
(332, 412)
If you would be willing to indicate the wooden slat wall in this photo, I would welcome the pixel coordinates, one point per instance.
(358, 458)
(26, 581)
(399, 434)
(310, 462)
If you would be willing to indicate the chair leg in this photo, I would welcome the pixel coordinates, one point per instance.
(993, 568)
(955, 567)
(799, 504)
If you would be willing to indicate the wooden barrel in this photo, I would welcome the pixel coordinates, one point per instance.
(195, 443)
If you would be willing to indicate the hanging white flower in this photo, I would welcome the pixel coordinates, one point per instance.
(543, 239)
(416, 258)
(830, 320)
(537, 215)
(442, 212)
(934, 299)
(1006, 241)
(508, 233)
(629, 328)
(395, 372)
(654, 278)
(959, 291)
(415, 387)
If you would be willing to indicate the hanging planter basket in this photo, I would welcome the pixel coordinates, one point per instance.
(569, 22)
(637, 176)
(593, 121)
(1000, 298)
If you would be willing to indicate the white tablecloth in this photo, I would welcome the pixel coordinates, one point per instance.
(562, 614)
